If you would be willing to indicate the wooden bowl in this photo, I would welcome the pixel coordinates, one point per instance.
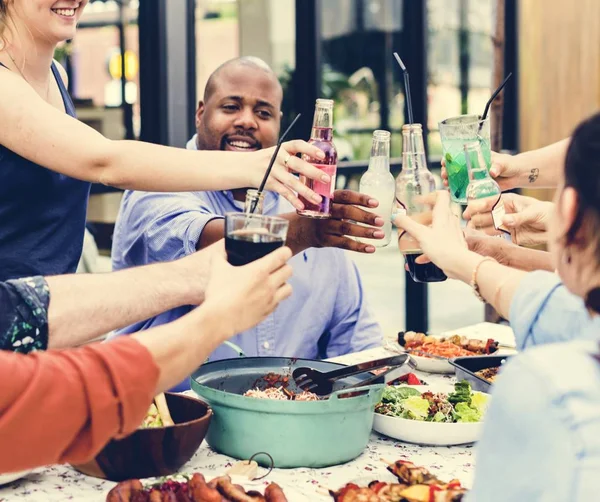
(158, 451)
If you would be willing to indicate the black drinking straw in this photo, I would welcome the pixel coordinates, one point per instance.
(409, 107)
(406, 87)
(264, 181)
(487, 105)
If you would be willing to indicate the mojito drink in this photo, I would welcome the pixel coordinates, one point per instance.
(456, 165)
(455, 132)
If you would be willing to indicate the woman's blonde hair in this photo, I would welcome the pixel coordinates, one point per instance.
(3, 22)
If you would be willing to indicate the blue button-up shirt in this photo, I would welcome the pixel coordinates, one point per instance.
(541, 438)
(326, 315)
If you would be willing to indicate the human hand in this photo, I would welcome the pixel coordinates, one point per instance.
(244, 296)
(443, 242)
(503, 169)
(526, 217)
(487, 245)
(348, 220)
(281, 179)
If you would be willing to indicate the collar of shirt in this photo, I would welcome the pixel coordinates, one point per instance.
(272, 199)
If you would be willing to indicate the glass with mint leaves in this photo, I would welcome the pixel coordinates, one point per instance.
(455, 132)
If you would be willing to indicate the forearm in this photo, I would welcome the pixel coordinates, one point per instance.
(178, 348)
(541, 168)
(85, 306)
(301, 233)
(138, 165)
(497, 283)
(529, 259)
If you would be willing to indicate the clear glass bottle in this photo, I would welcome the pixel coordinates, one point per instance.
(414, 183)
(322, 137)
(379, 183)
(482, 185)
(253, 199)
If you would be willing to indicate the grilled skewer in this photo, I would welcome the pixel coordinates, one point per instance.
(410, 474)
(411, 339)
(220, 489)
(378, 491)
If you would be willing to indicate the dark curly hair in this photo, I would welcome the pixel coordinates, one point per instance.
(582, 173)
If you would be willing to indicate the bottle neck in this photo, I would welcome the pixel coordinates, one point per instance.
(476, 164)
(380, 155)
(413, 151)
(478, 174)
(322, 133)
(322, 128)
(379, 164)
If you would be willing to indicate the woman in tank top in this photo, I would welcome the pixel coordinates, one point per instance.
(48, 159)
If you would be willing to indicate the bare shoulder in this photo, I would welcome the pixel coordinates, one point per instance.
(63, 72)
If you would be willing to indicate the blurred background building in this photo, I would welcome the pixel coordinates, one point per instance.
(137, 69)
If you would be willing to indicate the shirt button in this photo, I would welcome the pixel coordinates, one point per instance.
(266, 345)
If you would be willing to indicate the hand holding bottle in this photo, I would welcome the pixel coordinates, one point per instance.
(350, 218)
(443, 242)
(503, 170)
(526, 218)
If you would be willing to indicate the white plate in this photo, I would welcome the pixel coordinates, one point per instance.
(426, 364)
(13, 476)
(482, 331)
(428, 433)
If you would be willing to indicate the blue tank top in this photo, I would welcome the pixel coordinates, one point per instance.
(42, 213)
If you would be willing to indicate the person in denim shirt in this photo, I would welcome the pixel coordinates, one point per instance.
(541, 437)
(328, 313)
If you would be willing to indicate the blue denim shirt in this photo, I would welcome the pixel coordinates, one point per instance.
(541, 438)
(543, 310)
(327, 314)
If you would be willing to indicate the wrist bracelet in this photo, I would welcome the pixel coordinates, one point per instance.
(474, 284)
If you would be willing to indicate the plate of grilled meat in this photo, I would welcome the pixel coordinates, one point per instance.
(415, 484)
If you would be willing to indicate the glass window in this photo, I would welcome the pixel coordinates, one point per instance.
(217, 37)
(93, 61)
(460, 61)
(358, 38)
(226, 29)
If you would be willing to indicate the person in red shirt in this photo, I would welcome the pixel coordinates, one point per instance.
(61, 406)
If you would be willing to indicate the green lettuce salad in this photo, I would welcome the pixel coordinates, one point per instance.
(462, 405)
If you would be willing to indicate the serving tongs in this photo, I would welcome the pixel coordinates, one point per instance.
(321, 384)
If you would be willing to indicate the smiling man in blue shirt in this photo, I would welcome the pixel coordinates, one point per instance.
(326, 315)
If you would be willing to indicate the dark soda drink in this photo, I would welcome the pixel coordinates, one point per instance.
(414, 183)
(245, 246)
(426, 272)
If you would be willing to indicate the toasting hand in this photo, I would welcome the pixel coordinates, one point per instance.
(526, 218)
(503, 170)
(348, 220)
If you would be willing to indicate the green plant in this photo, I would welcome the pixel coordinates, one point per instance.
(62, 52)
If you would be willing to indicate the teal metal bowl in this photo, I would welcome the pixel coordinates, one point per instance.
(295, 433)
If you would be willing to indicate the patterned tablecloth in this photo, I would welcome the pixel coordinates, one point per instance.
(58, 483)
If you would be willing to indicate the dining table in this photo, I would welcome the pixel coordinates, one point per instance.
(61, 482)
